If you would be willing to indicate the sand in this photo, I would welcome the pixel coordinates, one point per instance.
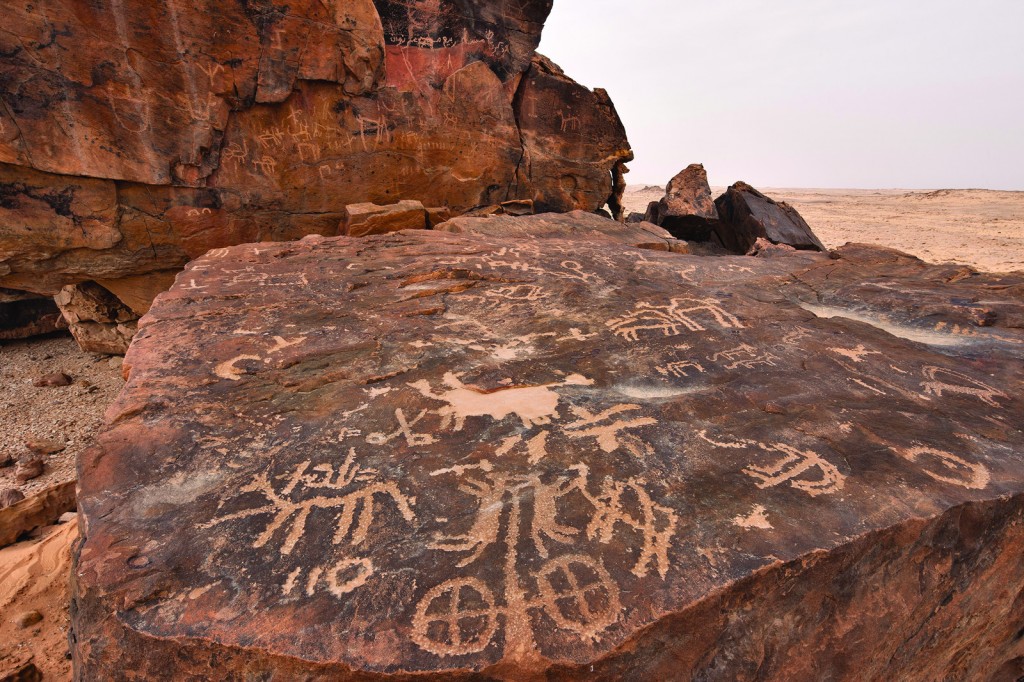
(34, 577)
(980, 228)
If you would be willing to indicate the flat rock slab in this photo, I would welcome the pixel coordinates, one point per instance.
(463, 456)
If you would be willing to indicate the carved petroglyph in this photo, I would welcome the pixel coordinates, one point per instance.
(757, 518)
(463, 615)
(957, 471)
(589, 425)
(794, 467)
(855, 354)
(532, 404)
(351, 493)
(570, 122)
(942, 381)
(679, 368)
(795, 464)
(745, 356)
(667, 319)
(405, 430)
(230, 370)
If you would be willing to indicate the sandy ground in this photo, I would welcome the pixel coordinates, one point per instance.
(976, 227)
(980, 228)
(34, 573)
(34, 577)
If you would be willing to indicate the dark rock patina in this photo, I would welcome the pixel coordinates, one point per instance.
(465, 456)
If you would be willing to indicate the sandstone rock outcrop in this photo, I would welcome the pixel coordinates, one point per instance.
(687, 210)
(365, 219)
(748, 215)
(137, 135)
(23, 315)
(97, 319)
(464, 456)
(574, 225)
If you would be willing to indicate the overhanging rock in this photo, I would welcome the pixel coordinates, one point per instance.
(463, 457)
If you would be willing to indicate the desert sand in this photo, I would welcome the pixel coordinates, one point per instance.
(980, 228)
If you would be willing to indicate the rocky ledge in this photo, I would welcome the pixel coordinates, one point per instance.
(461, 456)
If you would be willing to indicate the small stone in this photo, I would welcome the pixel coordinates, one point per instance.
(52, 379)
(44, 446)
(84, 383)
(29, 469)
(115, 362)
(28, 619)
(67, 517)
(6, 459)
(10, 497)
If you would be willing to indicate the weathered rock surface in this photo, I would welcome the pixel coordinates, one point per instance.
(687, 210)
(464, 456)
(747, 215)
(23, 315)
(39, 509)
(365, 219)
(575, 225)
(135, 135)
(97, 318)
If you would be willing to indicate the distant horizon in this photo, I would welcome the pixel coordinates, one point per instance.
(915, 95)
(630, 184)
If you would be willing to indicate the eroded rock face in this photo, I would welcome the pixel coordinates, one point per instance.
(136, 135)
(23, 315)
(748, 215)
(687, 210)
(97, 319)
(520, 458)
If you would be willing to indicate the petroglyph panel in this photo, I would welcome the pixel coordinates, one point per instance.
(440, 454)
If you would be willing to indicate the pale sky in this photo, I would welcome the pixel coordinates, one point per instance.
(808, 93)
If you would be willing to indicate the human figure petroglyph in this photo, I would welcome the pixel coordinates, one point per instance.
(309, 152)
(575, 590)
(942, 381)
(964, 474)
(792, 468)
(532, 404)
(609, 439)
(354, 502)
(680, 312)
(655, 523)
(745, 356)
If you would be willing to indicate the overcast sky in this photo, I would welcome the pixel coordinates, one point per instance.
(808, 93)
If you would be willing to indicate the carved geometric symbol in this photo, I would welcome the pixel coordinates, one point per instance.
(580, 595)
(455, 618)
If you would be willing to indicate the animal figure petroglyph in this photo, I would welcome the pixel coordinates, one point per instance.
(351, 491)
(678, 368)
(745, 356)
(792, 468)
(943, 381)
(795, 464)
(967, 475)
(532, 404)
(607, 435)
(680, 312)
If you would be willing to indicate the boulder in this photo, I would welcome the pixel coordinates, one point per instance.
(574, 225)
(747, 215)
(365, 219)
(454, 456)
(40, 508)
(137, 135)
(23, 315)
(98, 319)
(687, 210)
